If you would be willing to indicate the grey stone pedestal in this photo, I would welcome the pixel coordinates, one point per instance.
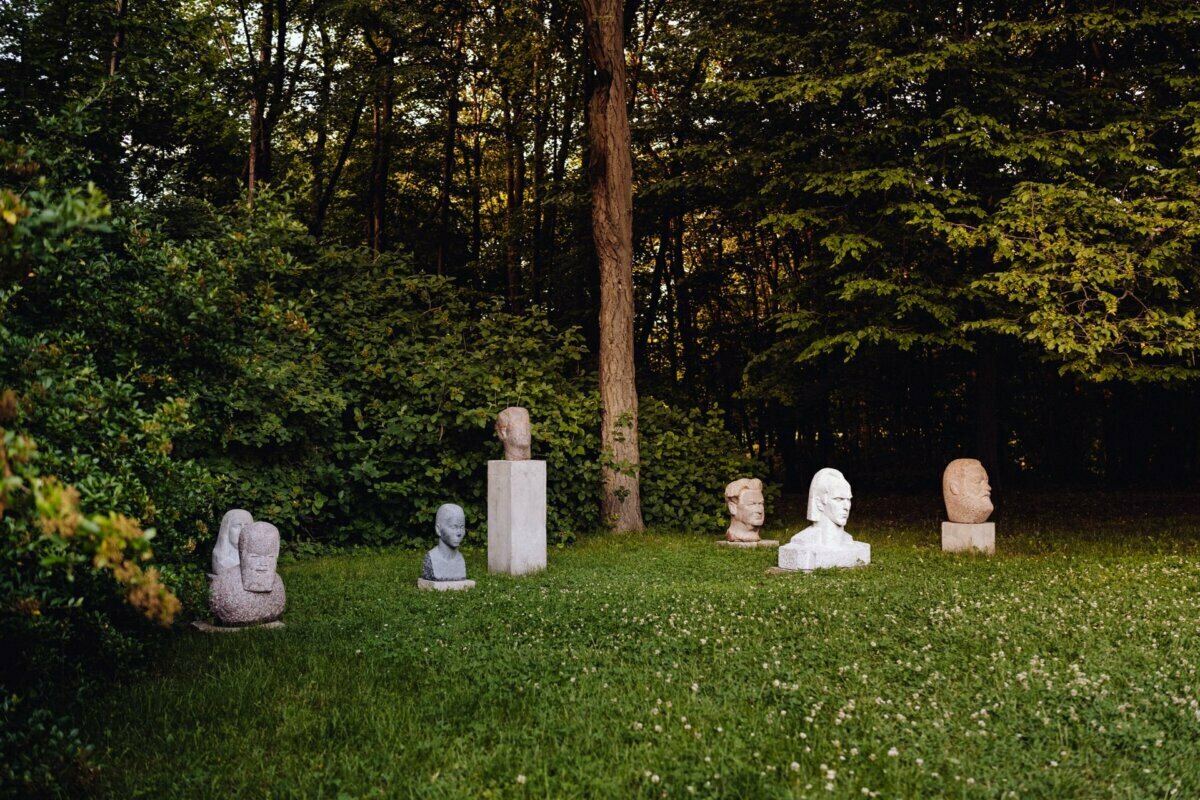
(445, 586)
(963, 537)
(516, 517)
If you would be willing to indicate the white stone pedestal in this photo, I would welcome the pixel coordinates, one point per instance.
(807, 557)
(208, 627)
(444, 586)
(963, 537)
(516, 517)
(768, 543)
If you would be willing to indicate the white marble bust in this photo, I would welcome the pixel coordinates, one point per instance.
(747, 512)
(444, 562)
(825, 543)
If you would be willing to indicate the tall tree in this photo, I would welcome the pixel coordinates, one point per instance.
(611, 178)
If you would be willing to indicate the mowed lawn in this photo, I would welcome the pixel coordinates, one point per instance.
(659, 665)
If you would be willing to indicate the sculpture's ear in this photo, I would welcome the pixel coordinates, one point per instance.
(731, 505)
(954, 487)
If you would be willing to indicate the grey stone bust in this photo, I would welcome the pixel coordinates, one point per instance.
(966, 490)
(444, 562)
(225, 553)
(514, 431)
(253, 593)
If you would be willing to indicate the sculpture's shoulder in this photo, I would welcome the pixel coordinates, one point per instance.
(427, 567)
(809, 536)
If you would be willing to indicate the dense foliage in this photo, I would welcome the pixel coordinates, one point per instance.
(943, 192)
(74, 587)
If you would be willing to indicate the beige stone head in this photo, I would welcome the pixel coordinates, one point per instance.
(747, 510)
(829, 498)
(966, 490)
(259, 551)
(513, 430)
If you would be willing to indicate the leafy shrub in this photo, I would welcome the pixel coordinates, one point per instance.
(73, 586)
(688, 458)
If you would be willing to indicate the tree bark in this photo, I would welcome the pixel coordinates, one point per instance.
(448, 142)
(611, 173)
(382, 148)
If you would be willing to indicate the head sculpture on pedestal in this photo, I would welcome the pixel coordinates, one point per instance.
(966, 490)
(829, 500)
(259, 551)
(513, 430)
(444, 562)
(225, 553)
(747, 511)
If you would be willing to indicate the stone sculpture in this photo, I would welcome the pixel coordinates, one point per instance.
(444, 567)
(253, 593)
(513, 430)
(966, 490)
(225, 553)
(747, 512)
(968, 497)
(825, 543)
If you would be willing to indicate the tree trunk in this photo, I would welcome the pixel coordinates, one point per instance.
(382, 150)
(259, 165)
(118, 40)
(611, 173)
(451, 136)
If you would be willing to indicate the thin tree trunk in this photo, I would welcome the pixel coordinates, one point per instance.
(452, 107)
(326, 195)
(381, 150)
(118, 40)
(611, 172)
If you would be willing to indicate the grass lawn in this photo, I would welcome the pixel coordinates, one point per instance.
(659, 665)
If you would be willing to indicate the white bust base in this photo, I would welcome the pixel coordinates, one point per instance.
(965, 537)
(445, 586)
(748, 545)
(516, 518)
(806, 558)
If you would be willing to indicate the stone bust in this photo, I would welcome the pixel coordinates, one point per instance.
(253, 593)
(225, 553)
(828, 509)
(747, 512)
(513, 430)
(966, 490)
(444, 562)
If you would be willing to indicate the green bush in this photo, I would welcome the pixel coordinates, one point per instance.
(340, 394)
(74, 590)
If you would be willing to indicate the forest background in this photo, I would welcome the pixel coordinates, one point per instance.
(294, 255)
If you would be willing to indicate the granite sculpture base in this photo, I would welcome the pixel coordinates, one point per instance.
(208, 627)
(965, 537)
(445, 586)
(768, 543)
(516, 519)
(806, 558)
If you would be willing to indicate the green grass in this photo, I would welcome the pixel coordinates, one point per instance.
(660, 665)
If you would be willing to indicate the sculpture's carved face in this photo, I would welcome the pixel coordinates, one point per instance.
(452, 528)
(235, 533)
(260, 556)
(835, 503)
(515, 433)
(968, 493)
(750, 508)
